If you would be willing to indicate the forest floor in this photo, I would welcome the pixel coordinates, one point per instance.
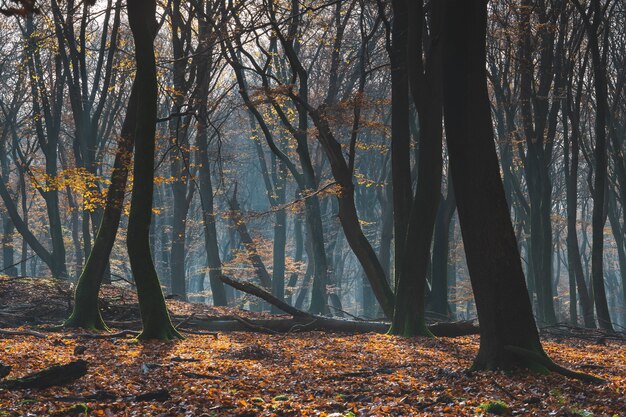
(298, 374)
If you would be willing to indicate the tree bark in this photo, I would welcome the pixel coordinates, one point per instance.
(86, 313)
(504, 308)
(154, 314)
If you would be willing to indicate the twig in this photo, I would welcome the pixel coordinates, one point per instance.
(251, 215)
(196, 375)
(121, 278)
(17, 263)
(299, 326)
(185, 321)
(199, 332)
(255, 326)
(504, 390)
(346, 313)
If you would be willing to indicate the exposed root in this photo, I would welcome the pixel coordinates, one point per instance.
(553, 367)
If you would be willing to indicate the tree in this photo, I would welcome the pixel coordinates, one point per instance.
(86, 313)
(415, 238)
(154, 314)
(504, 308)
(599, 59)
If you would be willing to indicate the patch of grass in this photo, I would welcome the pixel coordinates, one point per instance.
(496, 407)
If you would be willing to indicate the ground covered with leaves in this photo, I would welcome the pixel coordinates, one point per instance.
(246, 374)
(296, 374)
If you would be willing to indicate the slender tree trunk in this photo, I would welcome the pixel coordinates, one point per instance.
(248, 243)
(441, 247)
(204, 171)
(598, 217)
(400, 136)
(86, 313)
(280, 234)
(575, 266)
(7, 241)
(426, 90)
(154, 314)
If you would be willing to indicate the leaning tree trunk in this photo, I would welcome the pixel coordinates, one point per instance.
(154, 315)
(86, 313)
(504, 308)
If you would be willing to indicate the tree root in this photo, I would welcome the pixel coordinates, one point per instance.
(552, 366)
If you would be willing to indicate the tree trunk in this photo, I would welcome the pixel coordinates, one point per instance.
(575, 266)
(425, 86)
(204, 171)
(598, 217)
(502, 301)
(154, 315)
(86, 313)
(441, 248)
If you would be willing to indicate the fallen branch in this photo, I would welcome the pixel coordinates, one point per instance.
(199, 333)
(50, 377)
(186, 320)
(195, 375)
(255, 327)
(122, 333)
(250, 288)
(22, 333)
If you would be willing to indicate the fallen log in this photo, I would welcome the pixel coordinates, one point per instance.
(303, 321)
(50, 377)
(22, 333)
(295, 325)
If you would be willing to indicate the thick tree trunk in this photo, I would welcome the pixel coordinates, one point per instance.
(8, 261)
(502, 301)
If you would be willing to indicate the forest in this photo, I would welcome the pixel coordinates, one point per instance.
(312, 207)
